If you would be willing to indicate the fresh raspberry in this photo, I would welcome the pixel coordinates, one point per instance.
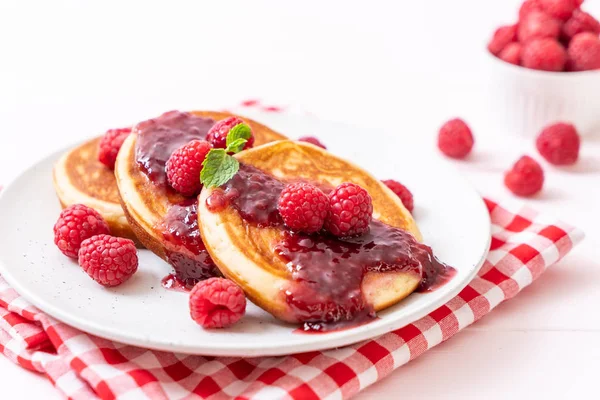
(303, 207)
(502, 37)
(217, 135)
(525, 178)
(312, 140)
(455, 138)
(544, 54)
(401, 191)
(217, 303)
(584, 52)
(109, 260)
(184, 166)
(538, 25)
(527, 7)
(559, 144)
(75, 224)
(110, 144)
(512, 53)
(580, 22)
(350, 210)
(560, 9)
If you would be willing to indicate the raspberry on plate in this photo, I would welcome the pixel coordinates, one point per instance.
(109, 260)
(502, 37)
(110, 144)
(402, 192)
(544, 54)
(512, 53)
(312, 140)
(217, 135)
(560, 9)
(580, 22)
(538, 25)
(184, 166)
(455, 138)
(75, 224)
(584, 52)
(526, 177)
(350, 210)
(559, 144)
(217, 303)
(303, 207)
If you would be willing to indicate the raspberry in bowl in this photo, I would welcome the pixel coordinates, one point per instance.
(545, 67)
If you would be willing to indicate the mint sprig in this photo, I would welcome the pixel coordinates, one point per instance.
(220, 166)
(240, 131)
(236, 146)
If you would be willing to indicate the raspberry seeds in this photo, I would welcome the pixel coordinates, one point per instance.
(108, 260)
(217, 303)
(75, 224)
(303, 207)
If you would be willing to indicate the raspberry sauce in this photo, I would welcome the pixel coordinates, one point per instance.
(187, 253)
(156, 140)
(159, 137)
(253, 194)
(327, 271)
(172, 282)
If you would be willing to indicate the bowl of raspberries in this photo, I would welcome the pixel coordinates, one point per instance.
(545, 67)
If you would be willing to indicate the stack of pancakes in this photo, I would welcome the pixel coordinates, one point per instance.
(134, 208)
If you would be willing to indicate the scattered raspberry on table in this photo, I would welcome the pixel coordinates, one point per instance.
(455, 138)
(559, 144)
(525, 178)
(75, 224)
(217, 303)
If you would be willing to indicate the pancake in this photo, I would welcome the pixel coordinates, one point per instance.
(163, 220)
(79, 178)
(248, 251)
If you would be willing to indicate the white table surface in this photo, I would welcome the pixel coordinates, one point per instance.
(73, 69)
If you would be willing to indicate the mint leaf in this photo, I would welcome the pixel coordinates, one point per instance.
(236, 146)
(218, 168)
(240, 131)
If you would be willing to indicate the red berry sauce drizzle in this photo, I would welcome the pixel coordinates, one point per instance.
(157, 139)
(328, 271)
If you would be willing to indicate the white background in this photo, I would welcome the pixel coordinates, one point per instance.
(70, 70)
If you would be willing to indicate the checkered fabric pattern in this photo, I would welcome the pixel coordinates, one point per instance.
(82, 366)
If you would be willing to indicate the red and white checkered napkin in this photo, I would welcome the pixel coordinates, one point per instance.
(82, 366)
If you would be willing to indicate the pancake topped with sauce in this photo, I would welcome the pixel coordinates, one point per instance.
(164, 220)
(313, 279)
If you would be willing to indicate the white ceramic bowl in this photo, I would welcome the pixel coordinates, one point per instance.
(523, 101)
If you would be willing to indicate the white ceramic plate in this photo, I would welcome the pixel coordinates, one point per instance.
(450, 213)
